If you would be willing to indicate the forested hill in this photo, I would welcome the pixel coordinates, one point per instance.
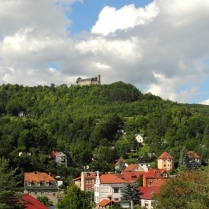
(84, 120)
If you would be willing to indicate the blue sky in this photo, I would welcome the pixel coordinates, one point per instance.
(84, 15)
(159, 46)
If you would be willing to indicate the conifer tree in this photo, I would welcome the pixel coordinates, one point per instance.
(129, 193)
(8, 187)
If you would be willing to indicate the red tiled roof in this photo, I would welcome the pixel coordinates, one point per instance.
(165, 155)
(132, 176)
(191, 154)
(54, 154)
(37, 177)
(104, 202)
(159, 182)
(111, 179)
(130, 167)
(120, 160)
(89, 175)
(142, 189)
(30, 202)
(75, 179)
(150, 192)
(152, 172)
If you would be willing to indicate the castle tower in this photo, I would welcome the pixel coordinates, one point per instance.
(99, 79)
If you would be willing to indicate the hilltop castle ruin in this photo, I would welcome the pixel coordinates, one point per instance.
(90, 81)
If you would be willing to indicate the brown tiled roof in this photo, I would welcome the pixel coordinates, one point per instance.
(165, 155)
(76, 179)
(54, 154)
(104, 202)
(191, 154)
(132, 176)
(130, 167)
(37, 177)
(111, 179)
(89, 175)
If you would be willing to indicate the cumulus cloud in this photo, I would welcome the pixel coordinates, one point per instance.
(162, 46)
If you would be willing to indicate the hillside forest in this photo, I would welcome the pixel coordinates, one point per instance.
(85, 121)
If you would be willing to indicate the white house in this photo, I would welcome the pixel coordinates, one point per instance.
(139, 138)
(144, 163)
(108, 187)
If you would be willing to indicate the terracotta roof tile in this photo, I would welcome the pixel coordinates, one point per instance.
(152, 172)
(30, 202)
(150, 192)
(191, 153)
(111, 179)
(132, 176)
(159, 182)
(37, 177)
(104, 202)
(165, 155)
(131, 167)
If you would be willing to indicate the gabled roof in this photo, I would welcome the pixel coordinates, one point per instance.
(89, 175)
(118, 161)
(104, 202)
(165, 155)
(152, 173)
(191, 154)
(143, 160)
(37, 177)
(30, 202)
(111, 179)
(130, 167)
(132, 176)
(54, 154)
(150, 192)
(76, 179)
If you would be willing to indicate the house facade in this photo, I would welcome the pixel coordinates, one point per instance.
(41, 184)
(87, 181)
(108, 187)
(195, 156)
(144, 163)
(139, 138)
(62, 158)
(153, 175)
(165, 161)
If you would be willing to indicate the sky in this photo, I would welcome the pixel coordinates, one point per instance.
(159, 46)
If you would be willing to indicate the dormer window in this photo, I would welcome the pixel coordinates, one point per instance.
(29, 183)
(38, 183)
(47, 183)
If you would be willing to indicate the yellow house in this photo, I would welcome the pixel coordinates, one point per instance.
(165, 161)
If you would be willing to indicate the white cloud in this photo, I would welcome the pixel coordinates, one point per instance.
(161, 46)
(128, 16)
(205, 102)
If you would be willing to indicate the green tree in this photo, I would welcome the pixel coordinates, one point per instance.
(8, 185)
(74, 199)
(130, 194)
(188, 190)
(45, 200)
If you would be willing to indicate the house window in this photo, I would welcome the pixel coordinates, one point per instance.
(116, 190)
(116, 199)
(42, 192)
(49, 192)
(164, 165)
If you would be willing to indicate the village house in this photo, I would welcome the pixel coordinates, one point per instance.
(153, 175)
(133, 167)
(41, 184)
(165, 161)
(139, 138)
(195, 156)
(144, 163)
(108, 187)
(62, 158)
